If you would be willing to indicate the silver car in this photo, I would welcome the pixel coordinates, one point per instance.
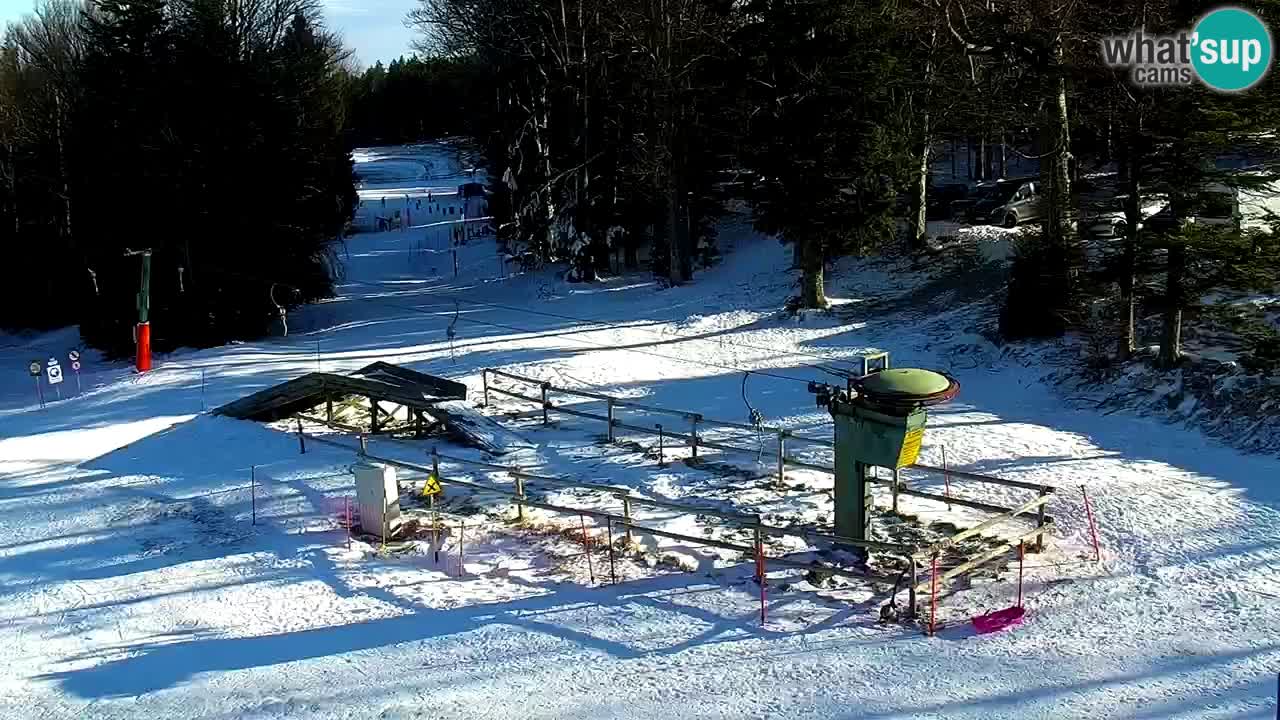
(1007, 203)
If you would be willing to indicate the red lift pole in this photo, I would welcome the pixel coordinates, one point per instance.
(142, 331)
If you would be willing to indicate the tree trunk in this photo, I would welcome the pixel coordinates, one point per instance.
(631, 250)
(1171, 339)
(673, 232)
(920, 202)
(982, 158)
(812, 293)
(1129, 259)
(919, 228)
(1055, 177)
(65, 230)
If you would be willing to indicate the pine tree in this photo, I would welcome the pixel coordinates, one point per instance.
(825, 130)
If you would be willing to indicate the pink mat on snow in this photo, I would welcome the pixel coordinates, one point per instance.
(999, 620)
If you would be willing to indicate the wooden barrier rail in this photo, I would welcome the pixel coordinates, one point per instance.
(974, 562)
(695, 440)
(1043, 521)
(783, 436)
(625, 521)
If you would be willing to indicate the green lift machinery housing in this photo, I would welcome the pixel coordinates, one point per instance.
(879, 422)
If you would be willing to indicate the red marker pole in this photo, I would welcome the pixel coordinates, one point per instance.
(760, 571)
(586, 544)
(1093, 528)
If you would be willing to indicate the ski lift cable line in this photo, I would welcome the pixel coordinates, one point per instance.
(607, 346)
(659, 333)
(600, 326)
(776, 352)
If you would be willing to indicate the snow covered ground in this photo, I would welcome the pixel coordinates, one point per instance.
(135, 582)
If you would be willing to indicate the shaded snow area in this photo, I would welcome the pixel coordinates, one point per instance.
(159, 561)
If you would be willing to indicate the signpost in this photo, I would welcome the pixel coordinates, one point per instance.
(430, 489)
(74, 356)
(54, 372)
(35, 368)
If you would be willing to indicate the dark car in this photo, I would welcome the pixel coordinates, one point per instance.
(1216, 205)
(942, 199)
(1006, 203)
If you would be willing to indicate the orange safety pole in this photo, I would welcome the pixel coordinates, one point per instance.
(1093, 527)
(933, 594)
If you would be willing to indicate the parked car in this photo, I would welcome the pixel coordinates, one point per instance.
(1215, 205)
(943, 198)
(1007, 203)
(1104, 218)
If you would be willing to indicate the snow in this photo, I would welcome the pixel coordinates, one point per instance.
(136, 583)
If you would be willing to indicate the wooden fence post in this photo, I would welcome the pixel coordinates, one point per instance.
(519, 497)
(613, 572)
(911, 592)
(933, 596)
(610, 401)
(946, 477)
(1040, 521)
(1021, 553)
(545, 420)
(782, 456)
(895, 490)
(302, 439)
(484, 378)
(626, 516)
(660, 444)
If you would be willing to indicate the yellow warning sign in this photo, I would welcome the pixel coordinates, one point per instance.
(911, 447)
(433, 487)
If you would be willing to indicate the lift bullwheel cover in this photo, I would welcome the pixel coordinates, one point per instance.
(899, 391)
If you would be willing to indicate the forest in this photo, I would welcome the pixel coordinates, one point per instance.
(624, 123)
(217, 135)
(208, 134)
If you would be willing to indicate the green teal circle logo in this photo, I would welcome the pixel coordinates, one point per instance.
(1231, 49)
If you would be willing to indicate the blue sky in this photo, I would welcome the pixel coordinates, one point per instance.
(375, 28)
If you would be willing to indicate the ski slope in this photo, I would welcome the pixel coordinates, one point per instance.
(135, 582)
